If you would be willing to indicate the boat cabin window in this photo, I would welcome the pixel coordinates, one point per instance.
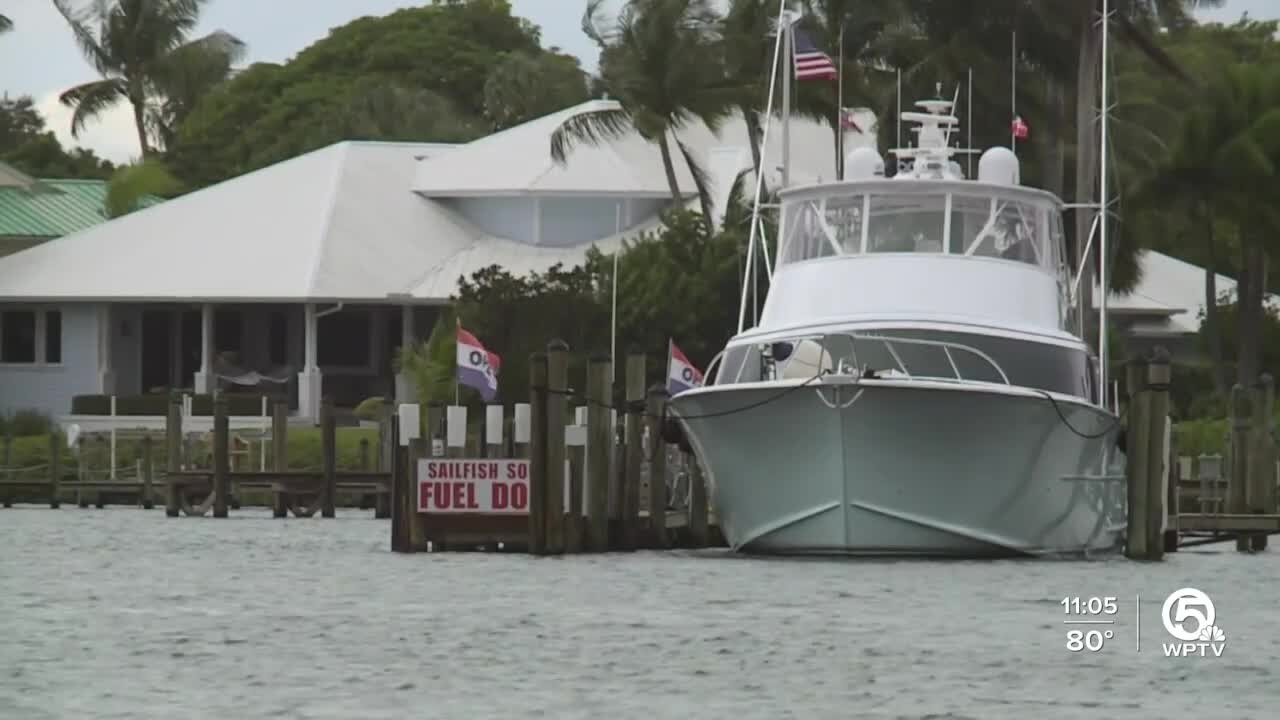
(973, 223)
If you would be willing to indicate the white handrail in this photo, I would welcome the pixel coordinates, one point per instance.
(945, 345)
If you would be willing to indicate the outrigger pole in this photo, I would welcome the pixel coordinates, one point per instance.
(1104, 206)
(783, 27)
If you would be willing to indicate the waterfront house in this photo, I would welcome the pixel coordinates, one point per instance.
(304, 277)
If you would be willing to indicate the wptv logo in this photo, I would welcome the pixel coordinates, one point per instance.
(1188, 615)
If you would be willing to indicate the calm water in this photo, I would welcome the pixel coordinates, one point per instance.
(128, 614)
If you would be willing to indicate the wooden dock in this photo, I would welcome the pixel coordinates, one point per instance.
(1181, 501)
(567, 480)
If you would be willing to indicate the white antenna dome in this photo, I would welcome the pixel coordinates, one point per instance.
(1000, 166)
(807, 359)
(863, 163)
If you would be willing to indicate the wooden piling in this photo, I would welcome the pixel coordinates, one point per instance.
(433, 433)
(1241, 411)
(82, 474)
(173, 455)
(556, 417)
(537, 453)
(657, 407)
(699, 519)
(329, 450)
(221, 433)
(575, 523)
(401, 492)
(633, 450)
(147, 473)
(386, 447)
(6, 462)
(599, 449)
(1157, 408)
(55, 469)
(1138, 441)
(280, 456)
(417, 526)
(1261, 487)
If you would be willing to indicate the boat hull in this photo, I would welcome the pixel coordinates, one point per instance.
(906, 468)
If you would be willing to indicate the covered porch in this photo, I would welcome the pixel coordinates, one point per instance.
(301, 351)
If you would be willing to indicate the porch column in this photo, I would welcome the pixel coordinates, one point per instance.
(175, 348)
(106, 371)
(309, 380)
(406, 389)
(203, 380)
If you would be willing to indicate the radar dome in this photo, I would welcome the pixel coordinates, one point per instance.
(862, 163)
(807, 360)
(1000, 166)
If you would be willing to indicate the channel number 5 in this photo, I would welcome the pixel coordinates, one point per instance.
(1187, 605)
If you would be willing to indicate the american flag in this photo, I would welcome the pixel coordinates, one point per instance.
(811, 63)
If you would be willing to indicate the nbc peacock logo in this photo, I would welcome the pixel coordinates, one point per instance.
(1189, 615)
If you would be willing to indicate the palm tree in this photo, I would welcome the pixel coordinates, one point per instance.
(141, 49)
(660, 63)
(5, 24)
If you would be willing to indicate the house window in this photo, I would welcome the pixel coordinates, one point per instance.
(53, 336)
(18, 336)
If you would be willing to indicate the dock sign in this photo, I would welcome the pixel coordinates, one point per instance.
(482, 487)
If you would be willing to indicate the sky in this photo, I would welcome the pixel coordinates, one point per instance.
(40, 58)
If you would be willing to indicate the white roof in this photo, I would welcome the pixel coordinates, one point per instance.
(518, 161)
(1171, 288)
(342, 222)
(338, 223)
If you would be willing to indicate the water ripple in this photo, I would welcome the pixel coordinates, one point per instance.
(123, 614)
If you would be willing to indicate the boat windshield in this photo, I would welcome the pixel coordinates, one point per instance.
(972, 222)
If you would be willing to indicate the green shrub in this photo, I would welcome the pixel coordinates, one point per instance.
(158, 404)
(369, 408)
(25, 423)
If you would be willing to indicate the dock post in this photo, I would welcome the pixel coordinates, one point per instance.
(633, 450)
(6, 461)
(173, 455)
(1261, 489)
(386, 447)
(433, 433)
(1158, 376)
(82, 473)
(401, 493)
(537, 453)
(599, 449)
(221, 458)
(280, 455)
(1241, 408)
(415, 452)
(1138, 447)
(657, 407)
(329, 451)
(557, 416)
(699, 515)
(147, 473)
(55, 469)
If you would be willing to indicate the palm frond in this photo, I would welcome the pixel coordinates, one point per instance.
(5, 24)
(592, 127)
(93, 50)
(92, 99)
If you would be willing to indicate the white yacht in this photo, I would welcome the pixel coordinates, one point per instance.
(916, 383)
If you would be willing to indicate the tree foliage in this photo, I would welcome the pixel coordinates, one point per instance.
(27, 144)
(431, 73)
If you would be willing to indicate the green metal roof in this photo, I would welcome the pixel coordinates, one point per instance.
(53, 208)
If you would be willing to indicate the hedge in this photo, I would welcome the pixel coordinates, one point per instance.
(158, 404)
